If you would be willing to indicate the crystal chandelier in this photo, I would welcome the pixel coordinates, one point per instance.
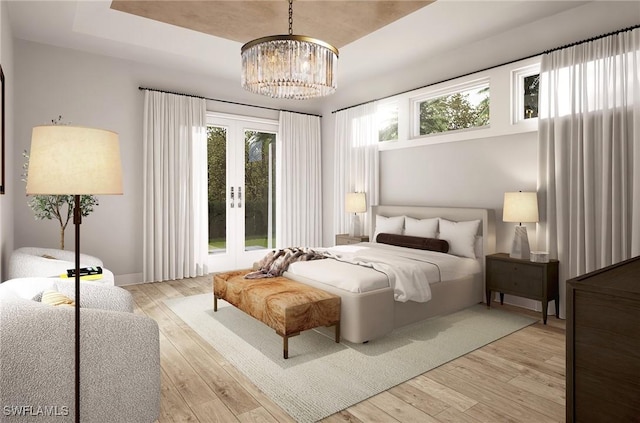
(289, 66)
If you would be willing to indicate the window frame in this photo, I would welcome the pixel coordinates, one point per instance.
(501, 110)
(415, 102)
(517, 93)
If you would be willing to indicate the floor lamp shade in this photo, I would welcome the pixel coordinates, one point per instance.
(356, 202)
(520, 207)
(73, 160)
(70, 160)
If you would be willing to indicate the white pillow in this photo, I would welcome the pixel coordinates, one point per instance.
(425, 228)
(479, 246)
(388, 225)
(461, 236)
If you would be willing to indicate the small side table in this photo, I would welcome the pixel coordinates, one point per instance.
(344, 239)
(523, 278)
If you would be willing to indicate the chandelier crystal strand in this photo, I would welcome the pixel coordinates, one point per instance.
(289, 66)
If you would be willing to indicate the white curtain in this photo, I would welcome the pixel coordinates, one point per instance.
(299, 178)
(589, 154)
(175, 223)
(356, 163)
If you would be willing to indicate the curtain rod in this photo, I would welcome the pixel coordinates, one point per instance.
(631, 28)
(225, 101)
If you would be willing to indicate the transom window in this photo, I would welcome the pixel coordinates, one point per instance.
(531, 88)
(525, 88)
(465, 108)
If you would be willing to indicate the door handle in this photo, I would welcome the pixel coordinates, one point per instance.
(239, 197)
(231, 198)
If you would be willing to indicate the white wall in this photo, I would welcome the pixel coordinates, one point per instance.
(102, 92)
(474, 173)
(7, 200)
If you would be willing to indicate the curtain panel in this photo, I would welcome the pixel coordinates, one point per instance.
(175, 244)
(299, 177)
(356, 166)
(589, 154)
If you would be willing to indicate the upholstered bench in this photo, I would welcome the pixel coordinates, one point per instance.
(285, 305)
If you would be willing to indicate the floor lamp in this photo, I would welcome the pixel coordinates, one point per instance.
(72, 160)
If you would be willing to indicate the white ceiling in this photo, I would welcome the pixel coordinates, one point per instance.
(445, 39)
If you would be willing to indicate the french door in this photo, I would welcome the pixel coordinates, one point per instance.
(242, 190)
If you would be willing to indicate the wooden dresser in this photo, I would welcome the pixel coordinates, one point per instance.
(603, 345)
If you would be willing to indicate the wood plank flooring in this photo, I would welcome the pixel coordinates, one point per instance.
(519, 378)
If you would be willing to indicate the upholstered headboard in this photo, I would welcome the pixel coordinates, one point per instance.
(487, 229)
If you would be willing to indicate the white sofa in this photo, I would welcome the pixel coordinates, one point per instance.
(27, 262)
(120, 355)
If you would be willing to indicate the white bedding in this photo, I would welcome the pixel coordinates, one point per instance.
(368, 266)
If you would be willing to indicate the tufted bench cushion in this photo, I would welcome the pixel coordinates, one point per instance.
(287, 306)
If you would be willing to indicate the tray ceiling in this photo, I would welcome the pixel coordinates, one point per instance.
(336, 22)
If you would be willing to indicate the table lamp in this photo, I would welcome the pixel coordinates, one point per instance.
(72, 160)
(520, 207)
(356, 202)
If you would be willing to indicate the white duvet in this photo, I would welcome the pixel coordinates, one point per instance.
(368, 266)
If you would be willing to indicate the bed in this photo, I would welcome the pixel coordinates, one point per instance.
(376, 309)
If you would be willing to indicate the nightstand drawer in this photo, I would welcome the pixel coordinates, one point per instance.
(521, 270)
(512, 284)
(517, 278)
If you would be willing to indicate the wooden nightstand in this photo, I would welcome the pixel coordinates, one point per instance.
(523, 278)
(343, 239)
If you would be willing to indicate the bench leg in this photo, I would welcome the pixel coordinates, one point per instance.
(215, 303)
(285, 343)
(285, 347)
(338, 332)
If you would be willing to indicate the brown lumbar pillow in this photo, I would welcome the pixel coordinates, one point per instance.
(419, 243)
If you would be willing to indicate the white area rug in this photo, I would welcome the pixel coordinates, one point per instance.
(322, 377)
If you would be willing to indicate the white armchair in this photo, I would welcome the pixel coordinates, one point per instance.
(120, 355)
(28, 262)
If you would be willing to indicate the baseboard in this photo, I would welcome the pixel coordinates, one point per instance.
(128, 279)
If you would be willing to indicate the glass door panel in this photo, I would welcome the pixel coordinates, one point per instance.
(242, 190)
(217, 171)
(259, 190)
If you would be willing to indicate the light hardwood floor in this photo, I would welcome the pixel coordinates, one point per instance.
(519, 378)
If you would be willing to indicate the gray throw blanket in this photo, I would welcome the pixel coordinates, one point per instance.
(276, 262)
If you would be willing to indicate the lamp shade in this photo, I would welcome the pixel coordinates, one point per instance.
(520, 207)
(73, 160)
(356, 202)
